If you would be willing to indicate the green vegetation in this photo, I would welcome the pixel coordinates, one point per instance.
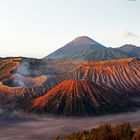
(105, 132)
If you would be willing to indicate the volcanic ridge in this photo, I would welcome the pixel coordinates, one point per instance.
(79, 98)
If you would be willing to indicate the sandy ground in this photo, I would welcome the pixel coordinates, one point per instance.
(17, 125)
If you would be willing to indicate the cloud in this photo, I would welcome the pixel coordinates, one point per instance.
(127, 34)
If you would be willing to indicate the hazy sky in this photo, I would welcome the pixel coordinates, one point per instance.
(35, 28)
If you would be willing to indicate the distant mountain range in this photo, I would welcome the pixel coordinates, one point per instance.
(85, 48)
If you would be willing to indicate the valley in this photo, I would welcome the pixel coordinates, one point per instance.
(15, 125)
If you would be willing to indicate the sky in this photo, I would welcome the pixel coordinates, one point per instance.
(35, 28)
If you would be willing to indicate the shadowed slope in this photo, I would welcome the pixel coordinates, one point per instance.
(130, 50)
(79, 97)
(107, 54)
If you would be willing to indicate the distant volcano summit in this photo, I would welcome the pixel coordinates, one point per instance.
(86, 42)
(79, 48)
(85, 48)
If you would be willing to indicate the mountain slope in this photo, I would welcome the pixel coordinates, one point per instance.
(122, 76)
(79, 97)
(79, 48)
(107, 54)
(130, 50)
(84, 48)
